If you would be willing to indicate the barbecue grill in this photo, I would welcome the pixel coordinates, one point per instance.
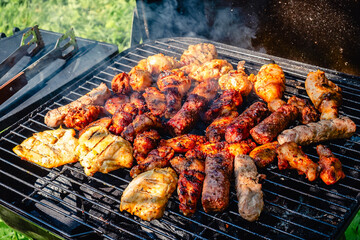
(65, 203)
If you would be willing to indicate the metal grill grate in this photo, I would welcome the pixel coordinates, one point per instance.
(67, 202)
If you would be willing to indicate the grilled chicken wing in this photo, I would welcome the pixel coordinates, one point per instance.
(140, 79)
(236, 80)
(307, 112)
(324, 94)
(211, 70)
(215, 132)
(322, 130)
(139, 101)
(228, 101)
(155, 101)
(97, 96)
(248, 189)
(200, 151)
(144, 143)
(265, 154)
(157, 158)
(243, 147)
(183, 143)
(146, 196)
(196, 55)
(51, 148)
(331, 170)
(240, 128)
(80, 117)
(101, 151)
(291, 156)
(120, 84)
(123, 117)
(104, 122)
(112, 104)
(206, 89)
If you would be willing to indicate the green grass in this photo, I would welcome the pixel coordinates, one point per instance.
(7, 233)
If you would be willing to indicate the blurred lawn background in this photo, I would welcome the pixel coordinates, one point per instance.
(102, 20)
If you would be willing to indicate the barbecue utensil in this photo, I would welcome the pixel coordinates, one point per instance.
(62, 50)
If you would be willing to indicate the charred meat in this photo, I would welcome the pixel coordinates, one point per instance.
(80, 117)
(144, 143)
(331, 170)
(215, 132)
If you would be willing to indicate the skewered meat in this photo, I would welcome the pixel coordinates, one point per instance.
(307, 113)
(236, 80)
(243, 147)
(211, 70)
(104, 122)
(201, 151)
(146, 196)
(324, 94)
(139, 101)
(196, 55)
(144, 143)
(216, 189)
(97, 96)
(265, 154)
(322, 130)
(112, 104)
(120, 84)
(267, 130)
(240, 128)
(215, 132)
(228, 101)
(291, 156)
(101, 151)
(183, 143)
(51, 148)
(157, 158)
(123, 117)
(80, 117)
(331, 170)
(206, 89)
(140, 124)
(248, 188)
(140, 79)
(269, 83)
(155, 101)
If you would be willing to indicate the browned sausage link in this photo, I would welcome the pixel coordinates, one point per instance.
(216, 189)
(271, 126)
(240, 128)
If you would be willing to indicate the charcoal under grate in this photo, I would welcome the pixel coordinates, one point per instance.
(68, 203)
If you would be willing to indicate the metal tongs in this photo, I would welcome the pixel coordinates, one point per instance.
(62, 50)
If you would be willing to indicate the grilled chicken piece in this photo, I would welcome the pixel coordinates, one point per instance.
(236, 80)
(201, 151)
(265, 154)
(216, 188)
(275, 104)
(140, 124)
(291, 156)
(155, 101)
(269, 83)
(211, 70)
(307, 112)
(157, 158)
(159, 63)
(267, 130)
(51, 148)
(228, 101)
(243, 147)
(80, 117)
(120, 84)
(140, 79)
(323, 130)
(248, 188)
(147, 195)
(324, 94)
(240, 128)
(104, 122)
(112, 104)
(183, 143)
(331, 170)
(196, 55)
(139, 101)
(215, 132)
(206, 89)
(97, 96)
(123, 117)
(144, 143)
(101, 151)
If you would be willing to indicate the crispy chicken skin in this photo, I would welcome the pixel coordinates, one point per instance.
(243, 147)
(139, 101)
(216, 188)
(101, 151)
(196, 55)
(97, 96)
(159, 63)
(144, 143)
(265, 154)
(228, 101)
(211, 70)
(51, 148)
(240, 128)
(147, 195)
(291, 156)
(120, 84)
(215, 132)
(123, 117)
(322, 130)
(267, 130)
(183, 143)
(104, 122)
(324, 94)
(157, 158)
(236, 80)
(155, 101)
(307, 112)
(248, 188)
(140, 79)
(331, 170)
(80, 117)
(201, 151)
(113, 103)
